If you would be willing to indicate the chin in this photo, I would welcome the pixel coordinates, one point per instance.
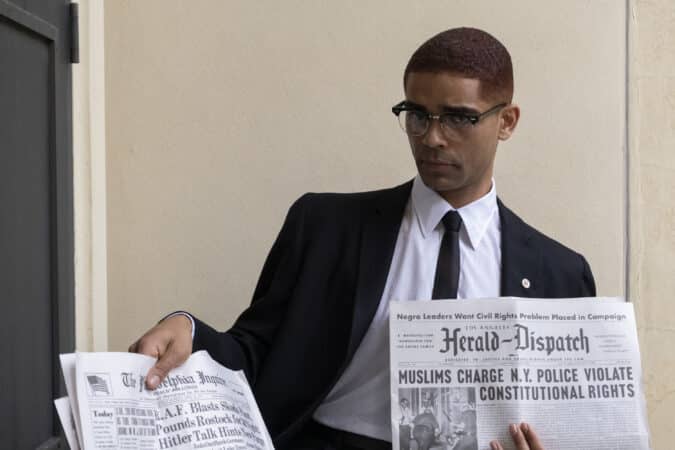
(440, 184)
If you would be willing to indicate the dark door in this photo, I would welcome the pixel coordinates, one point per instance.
(36, 225)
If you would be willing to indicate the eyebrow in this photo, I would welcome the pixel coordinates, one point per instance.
(461, 110)
(446, 109)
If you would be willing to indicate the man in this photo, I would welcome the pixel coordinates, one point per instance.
(425, 429)
(314, 342)
(466, 438)
(404, 423)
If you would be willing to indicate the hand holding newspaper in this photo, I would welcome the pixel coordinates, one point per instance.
(200, 405)
(462, 370)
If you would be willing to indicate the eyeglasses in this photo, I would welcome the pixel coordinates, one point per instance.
(415, 121)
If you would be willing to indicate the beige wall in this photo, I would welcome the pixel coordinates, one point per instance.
(218, 117)
(652, 200)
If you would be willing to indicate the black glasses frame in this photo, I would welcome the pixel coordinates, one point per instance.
(473, 119)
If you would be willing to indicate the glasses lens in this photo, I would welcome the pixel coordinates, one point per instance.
(454, 121)
(413, 122)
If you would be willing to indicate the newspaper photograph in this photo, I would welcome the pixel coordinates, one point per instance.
(463, 370)
(199, 405)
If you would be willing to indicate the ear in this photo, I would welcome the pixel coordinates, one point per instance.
(508, 121)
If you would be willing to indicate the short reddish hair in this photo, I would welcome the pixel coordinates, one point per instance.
(470, 53)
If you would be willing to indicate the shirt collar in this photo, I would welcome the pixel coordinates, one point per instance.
(429, 208)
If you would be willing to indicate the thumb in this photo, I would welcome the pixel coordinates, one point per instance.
(169, 360)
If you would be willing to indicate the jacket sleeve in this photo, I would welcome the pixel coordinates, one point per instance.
(245, 345)
(587, 280)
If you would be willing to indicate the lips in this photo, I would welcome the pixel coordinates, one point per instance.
(439, 163)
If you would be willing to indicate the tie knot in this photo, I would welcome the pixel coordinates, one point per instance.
(452, 221)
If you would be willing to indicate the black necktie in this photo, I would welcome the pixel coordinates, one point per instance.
(447, 266)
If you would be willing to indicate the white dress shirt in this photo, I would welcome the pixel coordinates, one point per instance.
(360, 400)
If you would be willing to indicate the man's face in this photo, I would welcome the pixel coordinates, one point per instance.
(457, 164)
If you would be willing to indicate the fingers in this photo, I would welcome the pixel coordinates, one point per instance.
(518, 437)
(523, 436)
(170, 342)
(531, 437)
(153, 343)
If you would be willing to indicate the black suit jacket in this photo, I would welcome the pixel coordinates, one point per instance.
(321, 285)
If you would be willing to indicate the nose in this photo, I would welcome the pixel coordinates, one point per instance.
(434, 136)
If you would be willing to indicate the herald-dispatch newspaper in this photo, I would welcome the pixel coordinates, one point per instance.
(462, 370)
(199, 405)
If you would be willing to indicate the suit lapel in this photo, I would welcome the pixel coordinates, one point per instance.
(382, 220)
(520, 258)
(520, 275)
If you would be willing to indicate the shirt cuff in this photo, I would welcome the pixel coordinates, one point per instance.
(183, 313)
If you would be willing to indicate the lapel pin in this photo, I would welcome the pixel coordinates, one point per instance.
(525, 283)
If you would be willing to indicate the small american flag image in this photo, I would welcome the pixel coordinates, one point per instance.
(98, 385)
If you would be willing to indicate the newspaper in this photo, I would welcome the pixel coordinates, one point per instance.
(462, 370)
(200, 405)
